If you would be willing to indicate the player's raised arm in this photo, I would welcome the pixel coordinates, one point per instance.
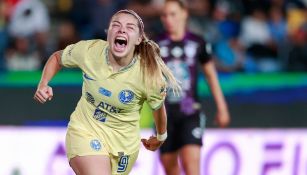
(44, 91)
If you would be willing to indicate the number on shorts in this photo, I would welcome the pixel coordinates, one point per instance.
(122, 164)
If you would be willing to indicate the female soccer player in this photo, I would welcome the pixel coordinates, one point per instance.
(183, 52)
(118, 76)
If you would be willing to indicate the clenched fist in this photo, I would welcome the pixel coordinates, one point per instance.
(43, 93)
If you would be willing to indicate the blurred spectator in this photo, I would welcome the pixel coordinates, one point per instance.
(29, 17)
(8, 7)
(3, 34)
(101, 12)
(297, 26)
(67, 34)
(20, 56)
(230, 55)
(200, 20)
(78, 12)
(150, 11)
(255, 37)
(277, 24)
(29, 21)
(298, 53)
(278, 31)
(296, 15)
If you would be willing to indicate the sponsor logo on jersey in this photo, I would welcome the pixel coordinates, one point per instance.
(90, 98)
(87, 77)
(125, 96)
(95, 144)
(109, 108)
(105, 92)
(100, 115)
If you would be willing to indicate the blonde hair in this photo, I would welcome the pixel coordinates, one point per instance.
(154, 70)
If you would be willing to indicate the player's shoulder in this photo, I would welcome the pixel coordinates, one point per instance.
(162, 37)
(189, 36)
(194, 37)
(93, 43)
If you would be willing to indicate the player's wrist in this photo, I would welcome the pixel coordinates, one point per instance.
(162, 137)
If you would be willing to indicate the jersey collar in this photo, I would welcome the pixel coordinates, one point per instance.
(134, 59)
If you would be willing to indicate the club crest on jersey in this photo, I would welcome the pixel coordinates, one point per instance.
(100, 115)
(125, 96)
(95, 144)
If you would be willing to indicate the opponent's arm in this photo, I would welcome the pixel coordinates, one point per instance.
(222, 116)
(44, 92)
(160, 118)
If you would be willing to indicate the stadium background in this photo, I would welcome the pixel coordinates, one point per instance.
(267, 135)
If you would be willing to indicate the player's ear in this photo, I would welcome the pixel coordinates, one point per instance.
(138, 42)
(185, 14)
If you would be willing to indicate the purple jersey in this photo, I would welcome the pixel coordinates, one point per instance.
(183, 58)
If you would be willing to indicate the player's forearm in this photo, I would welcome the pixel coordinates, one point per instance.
(51, 68)
(214, 86)
(218, 95)
(160, 119)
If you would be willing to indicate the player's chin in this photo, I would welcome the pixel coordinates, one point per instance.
(119, 54)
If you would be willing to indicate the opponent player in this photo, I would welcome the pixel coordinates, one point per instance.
(183, 52)
(118, 76)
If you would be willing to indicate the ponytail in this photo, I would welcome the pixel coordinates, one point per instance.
(153, 67)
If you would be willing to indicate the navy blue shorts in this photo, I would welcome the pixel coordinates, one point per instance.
(182, 130)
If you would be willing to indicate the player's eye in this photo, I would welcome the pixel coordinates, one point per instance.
(115, 25)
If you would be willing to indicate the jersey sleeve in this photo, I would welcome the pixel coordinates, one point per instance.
(74, 55)
(204, 52)
(155, 98)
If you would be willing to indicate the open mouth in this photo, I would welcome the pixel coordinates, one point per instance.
(120, 43)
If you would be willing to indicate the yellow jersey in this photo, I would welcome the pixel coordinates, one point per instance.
(111, 101)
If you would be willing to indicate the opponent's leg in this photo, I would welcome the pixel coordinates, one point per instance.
(170, 163)
(190, 159)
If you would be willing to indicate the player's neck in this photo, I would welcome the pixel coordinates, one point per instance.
(119, 62)
(177, 35)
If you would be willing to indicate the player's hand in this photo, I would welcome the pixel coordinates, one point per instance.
(43, 93)
(152, 143)
(222, 118)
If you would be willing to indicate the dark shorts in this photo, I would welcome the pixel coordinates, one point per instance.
(182, 130)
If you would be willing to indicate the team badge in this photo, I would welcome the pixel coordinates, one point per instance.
(105, 92)
(95, 144)
(100, 115)
(125, 96)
